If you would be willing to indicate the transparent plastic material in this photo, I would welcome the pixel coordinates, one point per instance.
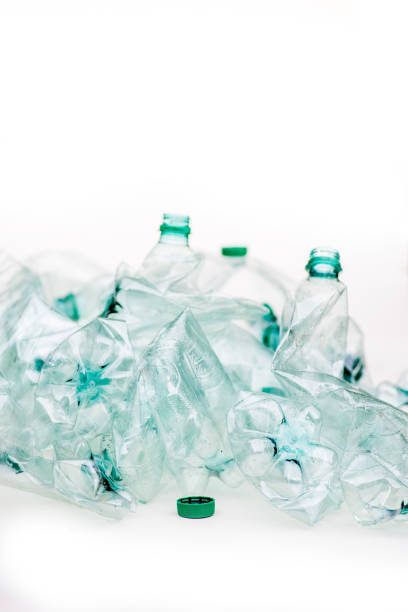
(75, 286)
(289, 447)
(355, 367)
(171, 262)
(185, 394)
(242, 276)
(395, 394)
(171, 278)
(189, 368)
(317, 321)
(315, 440)
(83, 440)
(29, 328)
(203, 283)
(145, 310)
(375, 468)
(147, 304)
(245, 358)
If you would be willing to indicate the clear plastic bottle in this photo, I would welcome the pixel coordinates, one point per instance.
(171, 278)
(317, 321)
(249, 278)
(72, 284)
(171, 262)
(173, 267)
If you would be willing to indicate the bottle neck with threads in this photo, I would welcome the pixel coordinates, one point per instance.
(175, 230)
(324, 263)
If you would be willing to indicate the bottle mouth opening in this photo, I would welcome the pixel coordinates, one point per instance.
(234, 251)
(324, 262)
(175, 224)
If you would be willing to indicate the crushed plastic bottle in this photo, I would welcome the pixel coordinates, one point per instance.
(289, 444)
(86, 434)
(185, 394)
(29, 328)
(375, 468)
(152, 296)
(172, 267)
(247, 361)
(318, 439)
(73, 285)
(172, 278)
(171, 262)
(29, 331)
(317, 321)
(195, 370)
(251, 279)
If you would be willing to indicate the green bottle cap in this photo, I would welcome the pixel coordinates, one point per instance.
(196, 507)
(237, 251)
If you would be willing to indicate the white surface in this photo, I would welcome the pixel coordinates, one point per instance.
(56, 558)
(283, 125)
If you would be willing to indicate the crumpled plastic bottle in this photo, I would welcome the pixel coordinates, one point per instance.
(180, 376)
(172, 267)
(171, 262)
(316, 439)
(87, 442)
(170, 279)
(375, 467)
(72, 284)
(29, 331)
(252, 279)
(173, 277)
(29, 328)
(245, 348)
(317, 321)
(289, 443)
(185, 394)
(319, 334)
(247, 361)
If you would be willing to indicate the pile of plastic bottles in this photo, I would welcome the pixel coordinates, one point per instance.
(194, 366)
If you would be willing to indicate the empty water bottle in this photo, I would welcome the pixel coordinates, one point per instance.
(185, 394)
(75, 286)
(249, 278)
(317, 321)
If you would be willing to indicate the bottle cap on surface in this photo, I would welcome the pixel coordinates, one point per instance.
(237, 251)
(196, 507)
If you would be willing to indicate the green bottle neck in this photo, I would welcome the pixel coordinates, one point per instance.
(175, 230)
(324, 263)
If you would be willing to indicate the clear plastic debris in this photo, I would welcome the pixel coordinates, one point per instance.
(317, 321)
(185, 394)
(191, 366)
(75, 286)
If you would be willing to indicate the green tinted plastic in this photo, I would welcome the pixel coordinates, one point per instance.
(237, 251)
(271, 336)
(324, 263)
(178, 224)
(196, 507)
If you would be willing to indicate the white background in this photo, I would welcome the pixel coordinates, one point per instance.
(279, 124)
